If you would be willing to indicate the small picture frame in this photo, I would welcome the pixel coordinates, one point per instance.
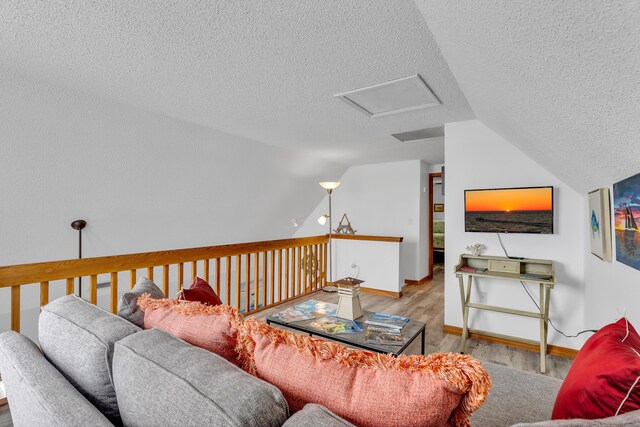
(438, 207)
(600, 223)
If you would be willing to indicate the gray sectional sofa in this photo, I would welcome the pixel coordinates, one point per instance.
(97, 369)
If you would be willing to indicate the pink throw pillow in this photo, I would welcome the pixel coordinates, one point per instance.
(214, 328)
(364, 388)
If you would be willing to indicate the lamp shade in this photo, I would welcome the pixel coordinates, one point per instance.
(323, 219)
(329, 185)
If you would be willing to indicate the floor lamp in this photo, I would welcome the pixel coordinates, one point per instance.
(79, 224)
(329, 186)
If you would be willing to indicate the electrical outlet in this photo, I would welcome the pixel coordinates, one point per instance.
(483, 297)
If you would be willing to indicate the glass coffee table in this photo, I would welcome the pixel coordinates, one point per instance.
(410, 332)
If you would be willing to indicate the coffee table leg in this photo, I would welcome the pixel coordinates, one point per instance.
(423, 339)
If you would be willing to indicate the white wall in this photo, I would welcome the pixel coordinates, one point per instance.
(378, 263)
(612, 288)
(383, 199)
(143, 181)
(476, 157)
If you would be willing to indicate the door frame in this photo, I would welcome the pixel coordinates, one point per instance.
(430, 237)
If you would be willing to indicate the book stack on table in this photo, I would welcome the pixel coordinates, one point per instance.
(385, 329)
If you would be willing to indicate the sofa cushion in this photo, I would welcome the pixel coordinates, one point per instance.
(604, 379)
(630, 419)
(161, 380)
(214, 328)
(200, 291)
(129, 309)
(316, 416)
(365, 389)
(78, 338)
(511, 397)
(39, 395)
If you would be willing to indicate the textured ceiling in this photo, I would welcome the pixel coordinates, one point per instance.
(558, 79)
(265, 70)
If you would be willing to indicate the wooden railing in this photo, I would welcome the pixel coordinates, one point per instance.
(249, 276)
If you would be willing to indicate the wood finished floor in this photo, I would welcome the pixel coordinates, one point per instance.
(425, 303)
(5, 417)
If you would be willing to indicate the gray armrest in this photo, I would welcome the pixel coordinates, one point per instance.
(38, 394)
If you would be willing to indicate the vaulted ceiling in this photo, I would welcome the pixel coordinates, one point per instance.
(558, 79)
(264, 70)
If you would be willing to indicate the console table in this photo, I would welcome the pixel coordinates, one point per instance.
(519, 270)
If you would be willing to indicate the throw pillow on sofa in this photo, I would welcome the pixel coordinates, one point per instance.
(214, 328)
(78, 338)
(604, 379)
(129, 309)
(39, 394)
(162, 381)
(365, 389)
(200, 291)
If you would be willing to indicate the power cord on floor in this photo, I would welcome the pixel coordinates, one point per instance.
(526, 289)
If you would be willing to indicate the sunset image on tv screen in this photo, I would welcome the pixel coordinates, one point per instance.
(510, 210)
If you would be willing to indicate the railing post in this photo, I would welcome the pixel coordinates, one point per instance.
(114, 292)
(15, 308)
(206, 270)
(165, 280)
(93, 289)
(44, 293)
(238, 280)
(273, 278)
(286, 274)
(132, 278)
(279, 276)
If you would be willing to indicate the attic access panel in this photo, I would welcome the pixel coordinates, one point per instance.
(392, 97)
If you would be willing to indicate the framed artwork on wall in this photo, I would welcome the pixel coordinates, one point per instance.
(600, 223)
(626, 197)
(438, 207)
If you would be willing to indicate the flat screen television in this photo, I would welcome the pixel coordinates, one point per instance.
(509, 210)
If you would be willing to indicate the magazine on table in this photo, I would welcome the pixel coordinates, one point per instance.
(293, 314)
(313, 306)
(387, 320)
(381, 335)
(335, 325)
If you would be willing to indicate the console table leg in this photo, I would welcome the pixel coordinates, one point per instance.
(544, 318)
(464, 297)
(547, 299)
(423, 340)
